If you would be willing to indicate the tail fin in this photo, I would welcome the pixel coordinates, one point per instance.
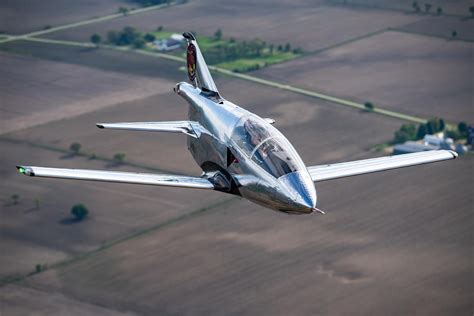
(198, 72)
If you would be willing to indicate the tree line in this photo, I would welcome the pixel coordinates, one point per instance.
(232, 50)
(435, 125)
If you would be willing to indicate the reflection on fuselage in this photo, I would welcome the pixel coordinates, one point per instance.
(281, 179)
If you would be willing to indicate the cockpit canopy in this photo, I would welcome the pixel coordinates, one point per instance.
(266, 146)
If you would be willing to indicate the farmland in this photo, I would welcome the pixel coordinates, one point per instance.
(391, 243)
(37, 91)
(443, 28)
(435, 79)
(301, 24)
(37, 15)
(460, 8)
(239, 259)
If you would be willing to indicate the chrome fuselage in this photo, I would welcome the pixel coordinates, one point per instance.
(231, 168)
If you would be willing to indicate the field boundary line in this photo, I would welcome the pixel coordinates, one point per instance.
(400, 10)
(305, 92)
(345, 42)
(85, 22)
(321, 96)
(109, 244)
(399, 30)
(83, 154)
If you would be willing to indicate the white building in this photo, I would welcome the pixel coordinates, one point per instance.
(167, 44)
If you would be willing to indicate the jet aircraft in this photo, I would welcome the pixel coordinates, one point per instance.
(239, 152)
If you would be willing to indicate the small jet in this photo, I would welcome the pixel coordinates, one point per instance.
(239, 152)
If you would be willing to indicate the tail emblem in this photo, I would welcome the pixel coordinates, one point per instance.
(191, 59)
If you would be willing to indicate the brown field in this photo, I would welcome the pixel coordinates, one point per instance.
(457, 7)
(413, 74)
(24, 16)
(302, 24)
(443, 27)
(18, 300)
(393, 243)
(303, 127)
(37, 91)
(167, 106)
(46, 236)
(103, 59)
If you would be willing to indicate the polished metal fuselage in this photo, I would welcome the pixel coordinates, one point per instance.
(217, 118)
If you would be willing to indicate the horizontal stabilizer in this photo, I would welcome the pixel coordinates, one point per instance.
(353, 168)
(190, 128)
(121, 177)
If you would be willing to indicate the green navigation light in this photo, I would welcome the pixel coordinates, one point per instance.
(22, 170)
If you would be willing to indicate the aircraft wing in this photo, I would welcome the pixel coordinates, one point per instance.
(122, 177)
(190, 128)
(353, 168)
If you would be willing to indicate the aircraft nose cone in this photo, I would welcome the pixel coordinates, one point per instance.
(300, 189)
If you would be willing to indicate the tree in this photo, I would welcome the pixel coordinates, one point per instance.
(471, 9)
(454, 34)
(159, 28)
(119, 158)
(369, 107)
(128, 35)
(430, 128)
(270, 48)
(279, 48)
(439, 11)
(421, 131)
(409, 130)
(15, 198)
(406, 132)
(75, 148)
(218, 35)
(400, 137)
(462, 128)
(79, 211)
(287, 47)
(96, 39)
(149, 37)
(453, 134)
(415, 6)
(435, 125)
(123, 11)
(442, 125)
(139, 43)
(427, 7)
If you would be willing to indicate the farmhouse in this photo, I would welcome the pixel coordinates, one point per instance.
(175, 41)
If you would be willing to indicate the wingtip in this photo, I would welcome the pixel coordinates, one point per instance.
(100, 125)
(27, 171)
(455, 154)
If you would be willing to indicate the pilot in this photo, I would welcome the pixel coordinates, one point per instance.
(257, 133)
